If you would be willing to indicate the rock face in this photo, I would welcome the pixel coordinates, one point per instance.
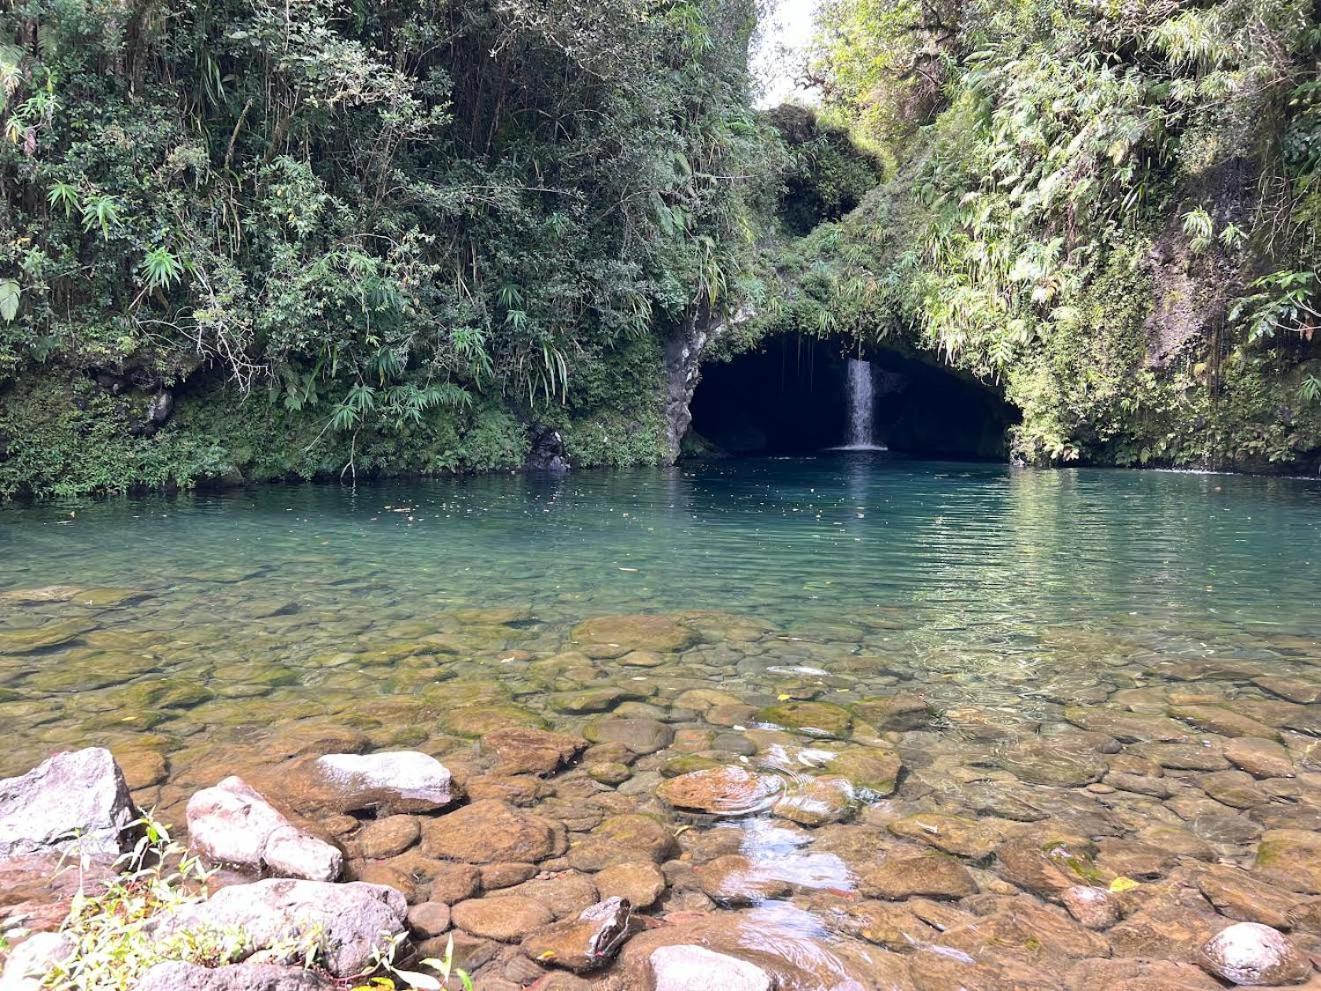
(688, 968)
(75, 800)
(232, 824)
(728, 791)
(174, 976)
(584, 943)
(279, 914)
(1252, 954)
(389, 783)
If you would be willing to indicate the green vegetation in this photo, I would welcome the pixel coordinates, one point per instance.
(242, 240)
(1110, 211)
(357, 236)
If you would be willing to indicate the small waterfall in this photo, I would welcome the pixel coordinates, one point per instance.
(860, 405)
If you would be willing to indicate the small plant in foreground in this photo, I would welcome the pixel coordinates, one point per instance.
(392, 976)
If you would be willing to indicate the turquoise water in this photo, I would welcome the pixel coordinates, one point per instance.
(978, 578)
(205, 635)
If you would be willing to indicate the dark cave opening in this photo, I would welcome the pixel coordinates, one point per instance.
(793, 397)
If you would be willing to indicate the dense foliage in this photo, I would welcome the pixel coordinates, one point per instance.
(1109, 210)
(357, 232)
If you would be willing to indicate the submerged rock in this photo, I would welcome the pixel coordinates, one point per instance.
(489, 832)
(812, 718)
(74, 801)
(1250, 953)
(525, 750)
(350, 921)
(627, 633)
(233, 824)
(507, 918)
(724, 791)
(584, 943)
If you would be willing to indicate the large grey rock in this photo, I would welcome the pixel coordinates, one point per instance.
(278, 915)
(32, 960)
(694, 968)
(176, 976)
(232, 824)
(390, 782)
(74, 801)
(1252, 954)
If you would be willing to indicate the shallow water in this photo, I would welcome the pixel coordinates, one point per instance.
(214, 629)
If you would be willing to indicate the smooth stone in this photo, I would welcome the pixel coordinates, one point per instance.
(388, 837)
(609, 773)
(233, 824)
(819, 800)
(874, 773)
(428, 919)
(1293, 689)
(898, 876)
(898, 713)
(694, 968)
(640, 882)
(586, 943)
(1237, 789)
(1222, 720)
(735, 880)
(525, 750)
(722, 791)
(622, 839)
(1138, 975)
(812, 718)
(1260, 758)
(489, 832)
(1238, 895)
(390, 782)
(482, 720)
(1249, 953)
(1047, 868)
(76, 801)
(506, 875)
(641, 736)
(587, 700)
(1041, 762)
(661, 634)
(1290, 858)
(893, 926)
(952, 834)
(507, 918)
(566, 893)
(352, 921)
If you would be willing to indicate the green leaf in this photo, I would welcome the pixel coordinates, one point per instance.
(10, 291)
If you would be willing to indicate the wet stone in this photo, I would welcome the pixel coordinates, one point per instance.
(724, 791)
(1290, 858)
(525, 750)
(428, 919)
(488, 832)
(1092, 907)
(622, 839)
(952, 834)
(585, 943)
(496, 877)
(811, 718)
(388, 837)
(565, 894)
(609, 773)
(641, 736)
(899, 876)
(1233, 788)
(687, 967)
(819, 800)
(640, 883)
(899, 713)
(507, 919)
(1237, 894)
(892, 925)
(627, 633)
(1260, 758)
(873, 772)
(737, 880)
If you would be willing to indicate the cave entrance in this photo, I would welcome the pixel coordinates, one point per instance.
(802, 394)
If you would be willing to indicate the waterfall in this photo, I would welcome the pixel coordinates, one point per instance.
(860, 405)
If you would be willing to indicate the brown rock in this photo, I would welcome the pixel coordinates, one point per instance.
(952, 834)
(428, 919)
(507, 918)
(1138, 975)
(1092, 907)
(1260, 758)
(641, 883)
(489, 832)
(736, 880)
(627, 633)
(497, 877)
(622, 839)
(1239, 895)
(523, 750)
(1253, 954)
(584, 943)
(388, 837)
(452, 883)
(888, 924)
(900, 876)
(728, 791)
(565, 894)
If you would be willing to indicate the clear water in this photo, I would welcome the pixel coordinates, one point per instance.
(392, 608)
(963, 572)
